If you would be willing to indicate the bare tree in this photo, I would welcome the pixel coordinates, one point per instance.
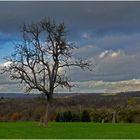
(41, 56)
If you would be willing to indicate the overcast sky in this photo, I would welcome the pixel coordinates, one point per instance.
(108, 33)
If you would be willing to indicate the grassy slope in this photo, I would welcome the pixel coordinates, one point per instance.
(68, 130)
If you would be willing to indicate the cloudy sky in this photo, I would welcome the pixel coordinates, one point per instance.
(108, 33)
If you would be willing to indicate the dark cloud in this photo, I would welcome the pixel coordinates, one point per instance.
(85, 15)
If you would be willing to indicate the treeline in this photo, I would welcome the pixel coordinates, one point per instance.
(101, 116)
(72, 109)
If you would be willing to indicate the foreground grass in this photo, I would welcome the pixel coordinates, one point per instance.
(23, 130)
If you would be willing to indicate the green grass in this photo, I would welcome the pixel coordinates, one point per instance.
(23, 130)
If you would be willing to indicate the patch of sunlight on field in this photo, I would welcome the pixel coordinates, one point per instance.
(109, 94)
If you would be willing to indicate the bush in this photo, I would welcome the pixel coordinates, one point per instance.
(85, 116)
(16, 116)
(101, 115)
(67, 116)
(76, 117)
(3, 118)
(96, 117)
(57, 119)
(38, 113)
(129, 116)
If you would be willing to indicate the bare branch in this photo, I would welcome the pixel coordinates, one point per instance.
(38, 58)
(83, 64)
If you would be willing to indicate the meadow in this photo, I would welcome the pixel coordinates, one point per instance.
(32, 130)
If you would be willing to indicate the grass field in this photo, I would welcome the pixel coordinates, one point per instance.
(19, 130)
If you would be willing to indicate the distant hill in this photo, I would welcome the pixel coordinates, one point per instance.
(18, 95)
(72, 95)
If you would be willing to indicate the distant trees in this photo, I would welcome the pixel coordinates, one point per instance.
(40, 58)
(68, 116)
(33, 110)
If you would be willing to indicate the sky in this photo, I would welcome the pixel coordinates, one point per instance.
(106, 32)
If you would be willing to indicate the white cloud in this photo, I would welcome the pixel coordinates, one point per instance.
(111, 53)
(101, 55)
(6, 64)
(108, 87)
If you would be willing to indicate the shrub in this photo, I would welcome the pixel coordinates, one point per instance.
(38, 113)
(96, 117)
(76, 117)
(67, 116)
(60, 117)
(16, 116)
(101, 115)
(3, 118)
(85, 116)
(57, 119)
(130, 115)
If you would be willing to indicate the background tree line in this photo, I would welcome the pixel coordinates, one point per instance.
(73, 109)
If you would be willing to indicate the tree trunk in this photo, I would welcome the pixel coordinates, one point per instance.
(114, 116)
(46, 116)
(45, 119)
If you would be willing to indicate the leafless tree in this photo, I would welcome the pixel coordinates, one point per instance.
(41, 56)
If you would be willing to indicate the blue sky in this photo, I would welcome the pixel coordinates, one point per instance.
(108, 33)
